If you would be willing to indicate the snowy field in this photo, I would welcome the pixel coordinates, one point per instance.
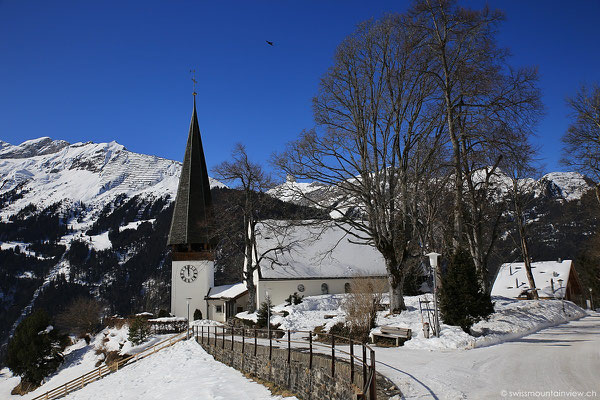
(184, 371)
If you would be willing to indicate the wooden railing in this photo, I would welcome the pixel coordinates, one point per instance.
(217, 336)
(104, 370)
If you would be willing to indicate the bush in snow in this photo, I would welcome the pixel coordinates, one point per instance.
(197, 315)
(294, 299)
(35, 350)
(139, 329)
(462, 301)
(361, 305)
(162, 313)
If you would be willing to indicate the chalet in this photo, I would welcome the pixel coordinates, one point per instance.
(554, 280)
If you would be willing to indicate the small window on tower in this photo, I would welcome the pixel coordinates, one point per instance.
(219, 309)
(347, 287)
(324, 288)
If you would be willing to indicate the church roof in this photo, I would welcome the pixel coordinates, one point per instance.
(310, 250)
(193, 206)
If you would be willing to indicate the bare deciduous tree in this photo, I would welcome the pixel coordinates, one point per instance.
(253, 181)
(488, 107)
(582, 140)
(378, 129)
(80, 317)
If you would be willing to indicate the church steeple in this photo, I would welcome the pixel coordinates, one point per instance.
(192, 215)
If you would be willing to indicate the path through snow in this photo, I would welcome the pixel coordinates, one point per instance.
(561, 358)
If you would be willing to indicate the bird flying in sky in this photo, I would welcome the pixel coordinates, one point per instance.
(270, 43)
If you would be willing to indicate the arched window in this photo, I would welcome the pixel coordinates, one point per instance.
(324, 288)
(347, 287)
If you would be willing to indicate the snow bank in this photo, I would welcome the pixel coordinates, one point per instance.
(512, 319)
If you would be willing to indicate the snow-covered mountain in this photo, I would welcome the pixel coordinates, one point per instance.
(566, 186)
(48, 171)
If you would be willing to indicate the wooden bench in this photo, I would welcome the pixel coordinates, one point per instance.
(399, 335)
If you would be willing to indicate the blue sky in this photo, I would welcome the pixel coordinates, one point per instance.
(119, 70)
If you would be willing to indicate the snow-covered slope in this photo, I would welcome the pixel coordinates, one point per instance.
(93, 173)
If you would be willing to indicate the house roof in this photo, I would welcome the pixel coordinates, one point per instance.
(192, 213)
(323, 250)
(227, 291)
(512, 274)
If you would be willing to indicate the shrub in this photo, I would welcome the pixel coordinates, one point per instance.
(82, 316)
(294, 299)
(35, 349)
(138, 331)
(162, 313)
(197, 315)
(361, 305)
(462, 301)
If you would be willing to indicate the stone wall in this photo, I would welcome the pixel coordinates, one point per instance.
(306, 383)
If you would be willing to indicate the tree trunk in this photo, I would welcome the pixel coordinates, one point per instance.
(523, 239)
(395, 281)
(250, 265)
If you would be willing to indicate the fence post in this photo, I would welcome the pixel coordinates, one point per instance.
(289, 347)
(232, 329)
(243, 339)
(215, 336)
(333, 356)
(255, 341)
(373, 388)
(223, 337)
(270, 343)
(364, 363)
(82, 377)
(202, 335)
(310, 343)
(351, 361)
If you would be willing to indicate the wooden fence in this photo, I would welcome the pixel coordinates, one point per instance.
(104, 370)
(359, 363)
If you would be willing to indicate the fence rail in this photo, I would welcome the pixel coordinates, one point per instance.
(102, 371)
(217, 335)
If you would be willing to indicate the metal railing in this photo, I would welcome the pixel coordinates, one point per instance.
(218, 335)
(103, 370)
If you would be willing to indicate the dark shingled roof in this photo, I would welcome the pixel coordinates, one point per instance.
(192, 214)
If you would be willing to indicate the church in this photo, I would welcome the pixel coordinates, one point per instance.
(299, 266)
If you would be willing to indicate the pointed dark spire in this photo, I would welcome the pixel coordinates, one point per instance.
(192, 215)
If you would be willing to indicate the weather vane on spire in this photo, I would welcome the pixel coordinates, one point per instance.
(193, 72)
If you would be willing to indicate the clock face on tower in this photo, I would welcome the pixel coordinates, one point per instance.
(188, 273)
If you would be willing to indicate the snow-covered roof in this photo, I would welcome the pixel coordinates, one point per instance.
(322, 250)
(511, 280)
(227, 291)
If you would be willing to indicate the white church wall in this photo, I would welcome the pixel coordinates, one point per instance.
(280, 290)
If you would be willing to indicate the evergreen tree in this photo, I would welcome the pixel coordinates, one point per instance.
(35, 349)
(138, 331)
(197, 314)
(462, 300)
(266, 309)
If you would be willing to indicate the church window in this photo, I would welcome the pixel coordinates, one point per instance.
(219, 309)
(301, 288)
(324, 288)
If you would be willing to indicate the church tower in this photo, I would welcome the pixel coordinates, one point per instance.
(192, 270)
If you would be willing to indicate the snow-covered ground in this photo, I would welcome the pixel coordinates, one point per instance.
(512, 319)
(563, 359)
(524, 346)
(184, 371)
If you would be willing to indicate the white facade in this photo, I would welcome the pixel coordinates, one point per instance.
(280, 290)
(193, 280)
